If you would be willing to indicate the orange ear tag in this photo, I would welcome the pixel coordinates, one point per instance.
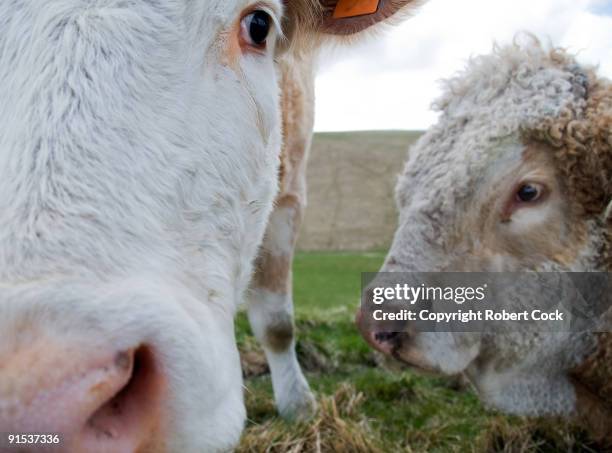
(353, 8)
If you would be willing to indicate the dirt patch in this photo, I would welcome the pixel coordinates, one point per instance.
(535, 435)
(339, 426)
(253, 363)
(311, 357)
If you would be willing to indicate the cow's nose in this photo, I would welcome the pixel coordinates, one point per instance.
(382, 340)
(96, 402)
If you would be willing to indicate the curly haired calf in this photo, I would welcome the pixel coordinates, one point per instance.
(515, 176)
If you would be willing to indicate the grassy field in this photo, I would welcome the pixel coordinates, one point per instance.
(366, 404)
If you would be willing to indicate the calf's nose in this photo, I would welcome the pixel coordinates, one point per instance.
(96, 401)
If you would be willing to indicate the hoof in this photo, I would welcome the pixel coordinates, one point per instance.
(302, 406)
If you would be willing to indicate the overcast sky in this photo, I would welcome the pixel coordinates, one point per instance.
(389, 82)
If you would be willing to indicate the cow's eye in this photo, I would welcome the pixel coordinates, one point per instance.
(255, 28)
(528, 193)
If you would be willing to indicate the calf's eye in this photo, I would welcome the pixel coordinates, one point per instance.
(528, 193)
(256, 28)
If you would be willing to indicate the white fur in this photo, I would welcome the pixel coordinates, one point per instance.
(525, 220)
(137, 172)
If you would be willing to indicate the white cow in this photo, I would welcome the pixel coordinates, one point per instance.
(139, 150)
(138, 154)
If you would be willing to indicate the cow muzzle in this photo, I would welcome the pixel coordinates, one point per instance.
(94, 400)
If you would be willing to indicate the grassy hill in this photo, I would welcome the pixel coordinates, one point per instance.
(351, 181)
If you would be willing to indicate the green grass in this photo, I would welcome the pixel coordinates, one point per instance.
(328, 284)
(367, 405)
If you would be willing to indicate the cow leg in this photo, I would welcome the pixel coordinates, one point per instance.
(271, 310)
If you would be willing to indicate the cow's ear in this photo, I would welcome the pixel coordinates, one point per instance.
(343, 17)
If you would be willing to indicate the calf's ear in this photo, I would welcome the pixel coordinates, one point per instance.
(343, 17)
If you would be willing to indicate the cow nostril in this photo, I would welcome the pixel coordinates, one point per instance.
(385, 336)
(124, 361)
(131, 415)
